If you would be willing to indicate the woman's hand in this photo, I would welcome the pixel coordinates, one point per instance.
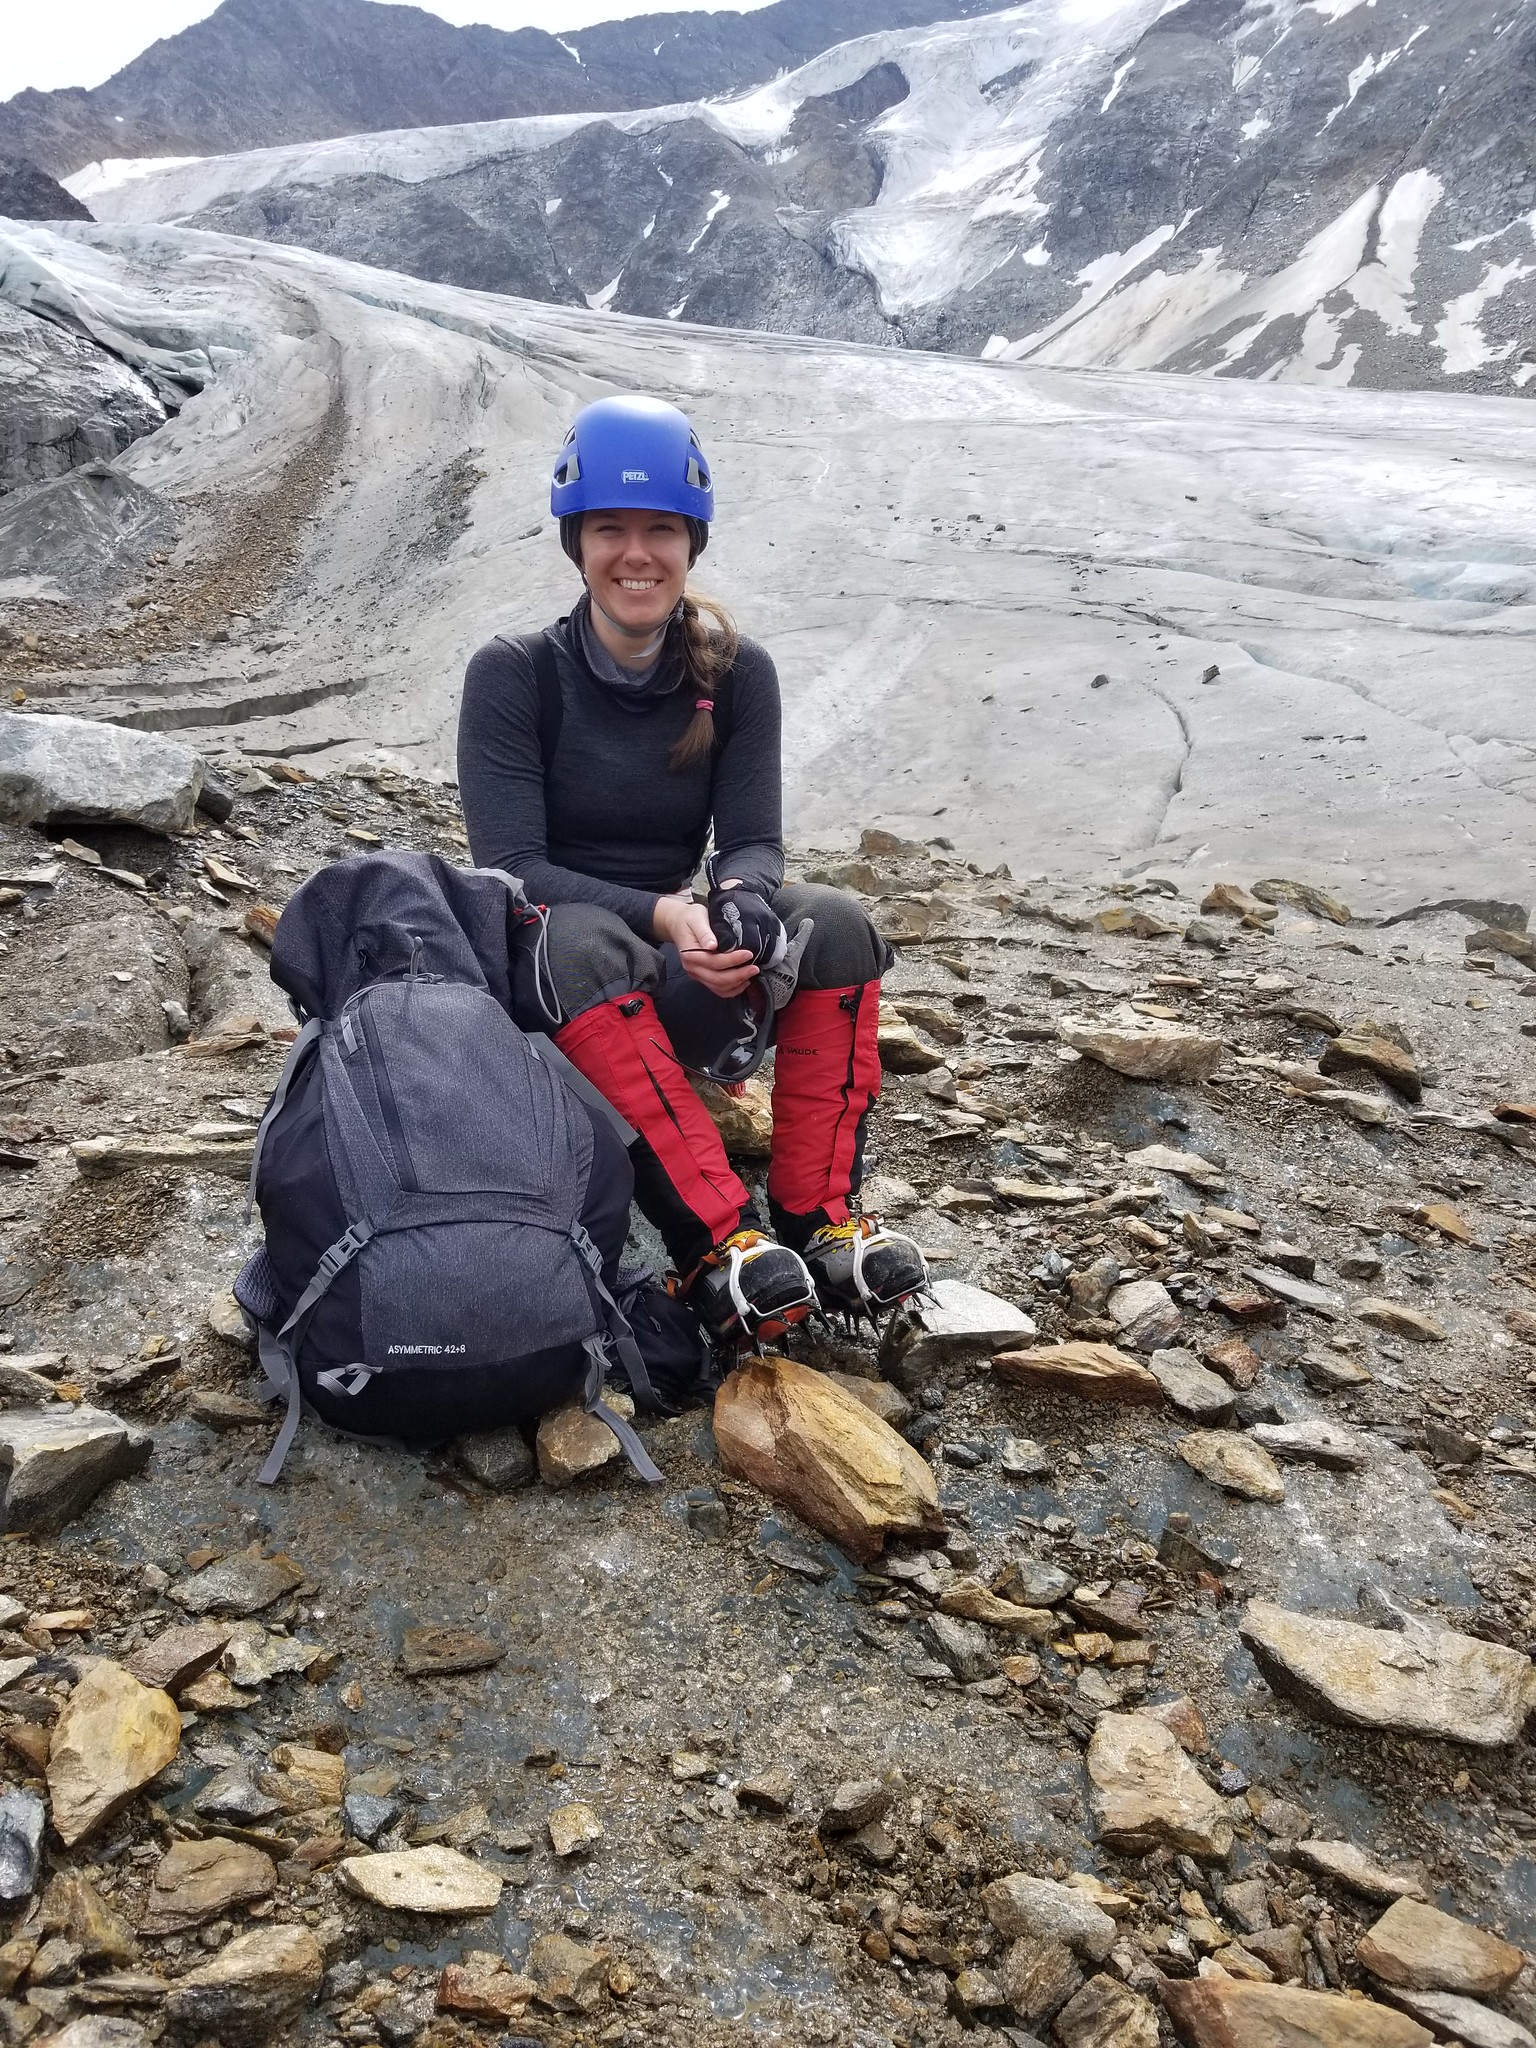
(685, 924)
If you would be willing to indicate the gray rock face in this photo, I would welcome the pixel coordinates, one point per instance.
(28, 193)
(1209, 196)
(63, 401)
(54, 769)
(23, 1817)
(57, 1459)
(270, 71)
(81, 533)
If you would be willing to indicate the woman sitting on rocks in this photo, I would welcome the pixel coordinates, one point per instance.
(595, 760)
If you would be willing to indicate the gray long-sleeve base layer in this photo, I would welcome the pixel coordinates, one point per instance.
(609, 821)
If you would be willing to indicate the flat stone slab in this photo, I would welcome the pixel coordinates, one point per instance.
(1191, 1387)
(962, 1323)
(1450, 2017)
(1416, 1946)
(439, 1652)
(430, 1880)
(1153, 1053)
(1352, 1866)
(56, 1459)
(177, 1655)
(54, 769)
(1146, 1794)
(1299, 1293)
(1314, 1443)
(240, 1584)
(195, 1882)
(1223, 2012)
(1228, 1459)
(1419, 1681)
(251, 1989)
(1093, 1372)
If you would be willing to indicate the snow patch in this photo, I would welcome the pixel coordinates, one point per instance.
(1252, 130)
(112, 174)
(553, 205)
(601, 301)
(722, 201)
(1334, 10)
(673, 311)
(649, 229)
(1120, 77)
(1459, 336)
(571, 50)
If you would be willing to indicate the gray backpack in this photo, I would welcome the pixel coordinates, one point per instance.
(444, 1198)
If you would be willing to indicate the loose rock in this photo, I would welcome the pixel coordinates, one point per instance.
(1094, 1372)
(745, 1121)
(567, 1977)
(1038, 1977)
(251, 1989)
(56, 769)
(1417, 1680)
(902, 1051)
(439, 1652)
(1351, 1866)
(1314, 1443)
(574, 1829)
(1398, 1320)
(809, 1444)
(198, 1881)
(499, 1458)
(1234, 1463)
(959, 1324)
(572, 1443)
(1146, 1794)
(112, 1737)
(1145, 1313)
(239, 1585)
(1189, 1387)
(1104, 2014)
(1222, 2012)
(57, 1459)
(429, 1880)
(1417, 1946)
(1019, 1905)
(1462, 2019)
(1165, 1052)
(22, 1819)
(482, 1987)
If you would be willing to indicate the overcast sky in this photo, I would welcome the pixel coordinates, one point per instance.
(81, 42)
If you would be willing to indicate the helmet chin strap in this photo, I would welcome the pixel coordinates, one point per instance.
(652, 637)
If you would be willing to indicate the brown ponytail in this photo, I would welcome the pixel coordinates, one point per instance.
(707, 656)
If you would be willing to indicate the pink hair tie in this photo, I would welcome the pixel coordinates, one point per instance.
(704, 704)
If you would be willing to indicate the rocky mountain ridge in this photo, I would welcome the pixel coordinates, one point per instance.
(1297, 190)
(259, 72)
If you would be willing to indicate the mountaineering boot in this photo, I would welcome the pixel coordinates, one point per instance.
(749, 1287)
(684, 1183)
(862, 1269)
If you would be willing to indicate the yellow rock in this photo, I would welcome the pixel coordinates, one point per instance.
(1094, 1372)
(113, 1736)
(744, 1121)
(811, 1445)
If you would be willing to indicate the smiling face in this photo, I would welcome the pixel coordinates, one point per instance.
(635, 564)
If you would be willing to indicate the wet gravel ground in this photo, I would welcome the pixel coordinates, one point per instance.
(654, 1653)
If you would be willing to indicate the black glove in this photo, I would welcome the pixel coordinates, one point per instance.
(740, 918)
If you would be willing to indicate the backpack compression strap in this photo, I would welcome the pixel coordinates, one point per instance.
(279, 1351)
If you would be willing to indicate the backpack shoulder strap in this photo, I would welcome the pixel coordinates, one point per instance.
(546, 680)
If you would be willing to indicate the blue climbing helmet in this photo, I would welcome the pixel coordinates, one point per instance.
(632, 452)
